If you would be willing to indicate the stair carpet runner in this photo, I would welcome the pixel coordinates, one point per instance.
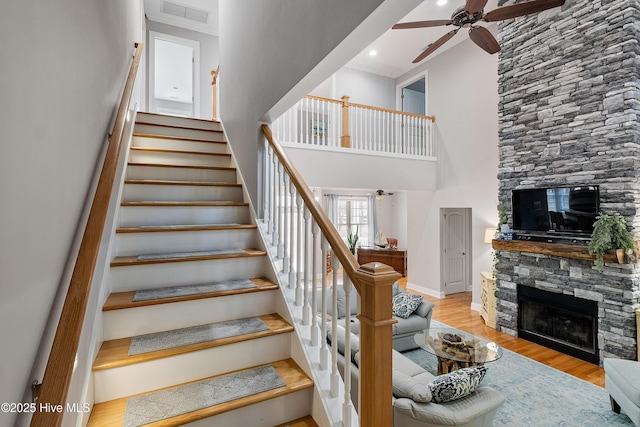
(188, 155)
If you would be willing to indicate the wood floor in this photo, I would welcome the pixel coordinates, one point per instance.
(455, 310)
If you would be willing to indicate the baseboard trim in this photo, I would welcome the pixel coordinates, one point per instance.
(423, 290)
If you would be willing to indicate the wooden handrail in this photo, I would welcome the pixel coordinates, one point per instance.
(59, 370)
(370, 107)
(338, 247)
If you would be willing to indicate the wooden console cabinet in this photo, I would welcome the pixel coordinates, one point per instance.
(394, 258)
(488, 299)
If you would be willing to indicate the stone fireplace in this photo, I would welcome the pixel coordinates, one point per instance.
(569, 114)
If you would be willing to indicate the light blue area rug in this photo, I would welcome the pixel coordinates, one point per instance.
(163, 404)
(196, 334)
(189, 254)
(538, 395)
(187, 290)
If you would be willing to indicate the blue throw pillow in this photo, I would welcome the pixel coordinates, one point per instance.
(403, 305)
(457, 384)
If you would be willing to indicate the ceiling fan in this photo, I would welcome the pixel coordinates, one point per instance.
(380, 194)
(472, 12)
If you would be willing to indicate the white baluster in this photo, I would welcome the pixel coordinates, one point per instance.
(300, 243)
(285, 223)
(315, 327)
(324, 349)
(335, 375)
(306, 311)
(292, 236)
(347, 405)
(280, 183)
(266, 185)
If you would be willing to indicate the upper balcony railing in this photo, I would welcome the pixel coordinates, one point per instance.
(323, 122)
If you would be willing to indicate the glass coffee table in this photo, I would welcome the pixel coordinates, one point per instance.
(457, 349)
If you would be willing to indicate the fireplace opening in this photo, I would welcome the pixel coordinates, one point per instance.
(561, 322)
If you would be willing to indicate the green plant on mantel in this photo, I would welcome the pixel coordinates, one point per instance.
(503, 218)
(352, 240)
(610, 232)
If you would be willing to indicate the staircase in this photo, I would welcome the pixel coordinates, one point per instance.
(192, 334)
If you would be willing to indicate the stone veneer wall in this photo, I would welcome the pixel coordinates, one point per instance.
(569, 114)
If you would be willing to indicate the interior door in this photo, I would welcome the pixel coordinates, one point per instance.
(173, 75)
(455, 250)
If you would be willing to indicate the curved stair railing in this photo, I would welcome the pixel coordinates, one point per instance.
(54, 387)
(303, 235)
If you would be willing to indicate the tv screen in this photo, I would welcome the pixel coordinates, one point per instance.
(558, 209)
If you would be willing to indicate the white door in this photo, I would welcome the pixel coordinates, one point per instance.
(455, 250)
(173, 75)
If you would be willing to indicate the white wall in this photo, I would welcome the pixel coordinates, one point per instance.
(63, 69)
(366, 88)
(209, 60)
(463, 95)
(274, 53)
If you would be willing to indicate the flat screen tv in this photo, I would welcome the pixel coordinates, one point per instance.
(570, 210)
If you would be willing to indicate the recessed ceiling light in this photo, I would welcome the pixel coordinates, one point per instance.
(441, 2)
(373, 52)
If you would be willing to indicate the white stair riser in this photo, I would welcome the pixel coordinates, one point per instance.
(161, 317)
(181, 174)
(133, 216)
(184, 159)
(178, 144)
(263, 414)
(150, 276)
(164, 372)
(183, 241)
(178, 121)
(180, 193)
(147, 129)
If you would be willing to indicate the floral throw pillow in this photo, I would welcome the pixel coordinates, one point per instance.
(457, 384)
(404, 304)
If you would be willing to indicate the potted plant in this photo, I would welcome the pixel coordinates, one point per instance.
(352, 240)
(610, 232)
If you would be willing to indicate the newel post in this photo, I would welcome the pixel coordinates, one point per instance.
(214, 84)
(375, 281)
(345, 139)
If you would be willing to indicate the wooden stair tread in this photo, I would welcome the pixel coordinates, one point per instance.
(158, 165)
(190, 227)
(121, 261)
(114, 353)
(154, 203)
(189, 183)
(300, 422)
(167, 150)
(112, 412)
(176, 126)
(123, 300)
(141, 114)
(183, 138)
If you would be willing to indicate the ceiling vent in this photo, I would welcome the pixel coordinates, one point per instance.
(185, 11)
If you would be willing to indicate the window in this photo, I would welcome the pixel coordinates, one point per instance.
(353, 215)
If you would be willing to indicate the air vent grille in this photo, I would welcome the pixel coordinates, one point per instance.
(185, 11)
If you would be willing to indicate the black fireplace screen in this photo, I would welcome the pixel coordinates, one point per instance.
(562, 322)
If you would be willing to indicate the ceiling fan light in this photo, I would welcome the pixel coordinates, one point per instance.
(441, 2)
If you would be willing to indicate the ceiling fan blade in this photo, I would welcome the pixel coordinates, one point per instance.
(435, 45)
(475, 6)
(422, 24)
(521, 9)
(483, 38)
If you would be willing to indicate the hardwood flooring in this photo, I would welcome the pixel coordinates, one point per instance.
(455, 310)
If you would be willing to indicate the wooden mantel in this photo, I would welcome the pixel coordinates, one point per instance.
(553, 249)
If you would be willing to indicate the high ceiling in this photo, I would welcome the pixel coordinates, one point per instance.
(395, 49)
